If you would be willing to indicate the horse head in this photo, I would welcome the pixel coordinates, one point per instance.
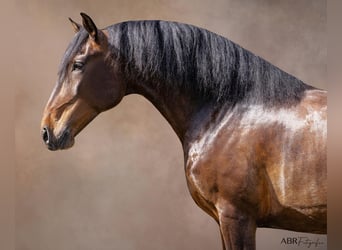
(87, 85)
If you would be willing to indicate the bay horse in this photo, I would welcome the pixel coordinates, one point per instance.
(253, 136)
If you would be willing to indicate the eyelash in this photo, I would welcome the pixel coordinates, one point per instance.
(77, 65)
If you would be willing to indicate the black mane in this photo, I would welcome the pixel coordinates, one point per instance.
(183, 56)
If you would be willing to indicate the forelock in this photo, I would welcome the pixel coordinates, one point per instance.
(73, 48)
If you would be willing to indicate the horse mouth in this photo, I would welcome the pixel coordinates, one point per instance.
(63, 141)
(66, 140)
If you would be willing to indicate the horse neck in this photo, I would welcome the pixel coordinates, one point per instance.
(178, 107)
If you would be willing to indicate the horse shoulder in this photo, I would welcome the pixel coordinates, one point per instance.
(220, 169)
(262, 159)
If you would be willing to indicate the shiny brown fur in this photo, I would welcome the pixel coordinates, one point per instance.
(247, 166)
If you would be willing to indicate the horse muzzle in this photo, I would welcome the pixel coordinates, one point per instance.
(63, 140)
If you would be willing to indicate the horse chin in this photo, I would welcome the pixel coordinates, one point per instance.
(65, 141)
(68, 144)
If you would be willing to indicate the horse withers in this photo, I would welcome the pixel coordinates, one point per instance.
(253, 136)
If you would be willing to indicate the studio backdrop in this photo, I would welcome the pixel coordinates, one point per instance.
(122, 185)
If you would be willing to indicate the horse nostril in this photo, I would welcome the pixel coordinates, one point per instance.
(46, 135)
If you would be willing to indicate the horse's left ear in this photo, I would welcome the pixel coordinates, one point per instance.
(90, 26)
(75, 25)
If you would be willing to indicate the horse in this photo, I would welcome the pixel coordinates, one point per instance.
(253, 136)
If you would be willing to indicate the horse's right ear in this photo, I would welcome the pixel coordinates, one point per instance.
(75, 25)
(90, 26)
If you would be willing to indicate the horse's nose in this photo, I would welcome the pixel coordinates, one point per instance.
(48, 138)
(46, 135)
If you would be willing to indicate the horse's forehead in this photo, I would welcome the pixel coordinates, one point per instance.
(73, 48)
(89, 48)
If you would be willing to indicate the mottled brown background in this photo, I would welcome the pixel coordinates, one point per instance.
(122, 186)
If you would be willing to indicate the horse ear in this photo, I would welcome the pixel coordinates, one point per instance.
(75, 25)
(90, 26)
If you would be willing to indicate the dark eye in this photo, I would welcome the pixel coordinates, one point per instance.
(78, 65)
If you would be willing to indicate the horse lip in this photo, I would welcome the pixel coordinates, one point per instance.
(52, 147)
(65, 140)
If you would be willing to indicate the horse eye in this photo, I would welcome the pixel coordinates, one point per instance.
(77, 65)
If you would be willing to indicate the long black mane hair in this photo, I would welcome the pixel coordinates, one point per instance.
(185, 57)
